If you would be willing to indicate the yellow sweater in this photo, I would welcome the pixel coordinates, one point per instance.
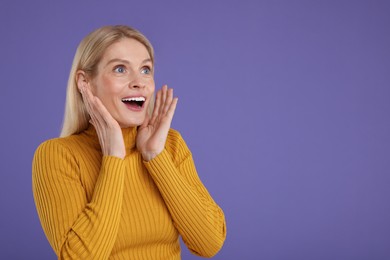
(103, 207)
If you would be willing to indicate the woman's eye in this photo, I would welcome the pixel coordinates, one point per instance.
(120, 69)
(146, 70)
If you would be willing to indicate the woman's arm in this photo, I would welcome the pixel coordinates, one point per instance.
(198, 218)
(76, 228)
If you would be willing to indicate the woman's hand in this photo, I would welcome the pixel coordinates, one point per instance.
(107, 128)
(153, 133)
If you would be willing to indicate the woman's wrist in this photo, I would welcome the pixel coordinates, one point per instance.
(115, 153)
(149, 156)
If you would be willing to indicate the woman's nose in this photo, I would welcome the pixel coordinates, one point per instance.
(137, 82)
(137, 85)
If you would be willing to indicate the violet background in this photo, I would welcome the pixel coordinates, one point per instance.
(285, 105)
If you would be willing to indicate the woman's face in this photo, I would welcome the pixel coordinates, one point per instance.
(124, 81)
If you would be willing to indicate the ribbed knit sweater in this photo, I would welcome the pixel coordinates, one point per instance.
(102, 207)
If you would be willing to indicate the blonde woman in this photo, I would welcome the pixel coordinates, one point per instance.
(119, 183)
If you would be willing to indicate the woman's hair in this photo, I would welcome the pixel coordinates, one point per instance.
(87, 57)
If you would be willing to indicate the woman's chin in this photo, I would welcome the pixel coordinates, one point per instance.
(130, 123)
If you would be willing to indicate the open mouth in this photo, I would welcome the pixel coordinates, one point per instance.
(135, 102)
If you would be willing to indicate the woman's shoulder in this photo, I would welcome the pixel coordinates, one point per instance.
(56, 157)
(174, 134)
(64, 145)
(175, 139)
(176, 146)
(52, 146)
(61, 141)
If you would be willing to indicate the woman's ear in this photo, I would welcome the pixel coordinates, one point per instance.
(81, 79)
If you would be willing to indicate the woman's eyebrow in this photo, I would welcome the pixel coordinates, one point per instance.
(126, 61)
(117, 60)
(147, 60)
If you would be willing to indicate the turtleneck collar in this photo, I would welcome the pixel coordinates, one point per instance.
(129, 136)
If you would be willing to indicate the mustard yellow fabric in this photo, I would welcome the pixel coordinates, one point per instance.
(103, 207)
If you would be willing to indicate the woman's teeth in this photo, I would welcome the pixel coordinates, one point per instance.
(133, 99)
(139, 101)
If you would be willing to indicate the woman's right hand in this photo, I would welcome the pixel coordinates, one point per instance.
(107, 128)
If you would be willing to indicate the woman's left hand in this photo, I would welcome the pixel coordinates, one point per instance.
(152, 134)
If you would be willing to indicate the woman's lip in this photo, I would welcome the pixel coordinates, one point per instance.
(134, 108)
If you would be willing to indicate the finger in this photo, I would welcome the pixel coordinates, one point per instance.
(86, 99)
(89, 103)
(166, 120)
(146, 122)
(156, 108)
(102, 112)
(163, 91)
(96, 109)
(172, 108)
(168, 101)
(163, 98)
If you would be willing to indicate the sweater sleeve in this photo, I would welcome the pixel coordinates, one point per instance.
(199, 220)
(76, 228)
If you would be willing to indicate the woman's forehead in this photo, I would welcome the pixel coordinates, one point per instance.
(127, 49)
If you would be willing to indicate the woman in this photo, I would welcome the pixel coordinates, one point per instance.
(119, 183)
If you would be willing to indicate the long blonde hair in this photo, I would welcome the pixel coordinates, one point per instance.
(88, 55)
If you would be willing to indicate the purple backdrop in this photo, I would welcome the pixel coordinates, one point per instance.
(285, 105)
